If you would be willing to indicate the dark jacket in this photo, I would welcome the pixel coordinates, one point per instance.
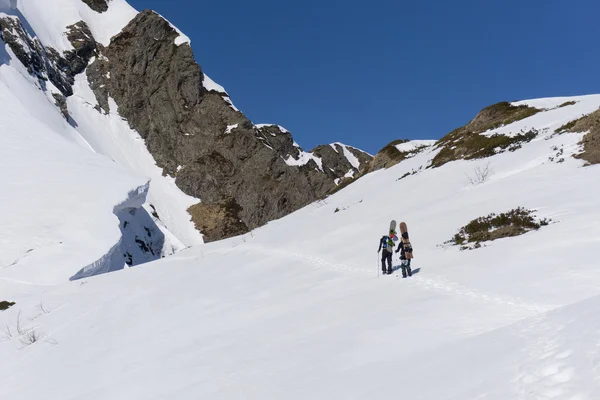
(403, 249)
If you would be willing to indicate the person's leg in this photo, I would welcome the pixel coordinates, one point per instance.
(383, 262)
(404, 268)
(408, 268)
(389, 262)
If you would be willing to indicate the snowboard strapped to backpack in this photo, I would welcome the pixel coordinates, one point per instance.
(408, 250)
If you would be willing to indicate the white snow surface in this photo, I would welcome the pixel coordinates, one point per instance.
(304, 158)
(84, 173)
(281, 128)
(297, 310)
(413, 145)
(230, 128)
(211, 85)
(111, 136)
(58, 197)
(49, 19)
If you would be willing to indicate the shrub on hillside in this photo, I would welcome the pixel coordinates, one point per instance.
(5, 305)
(496, 226)
(567, 103)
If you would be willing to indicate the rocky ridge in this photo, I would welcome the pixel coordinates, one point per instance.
(244, 174)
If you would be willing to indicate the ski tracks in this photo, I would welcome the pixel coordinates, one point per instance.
(433, 284)
(440, 285)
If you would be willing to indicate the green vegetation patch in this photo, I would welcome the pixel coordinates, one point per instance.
(591, 141)
(500, 114)
(568, 127)
(567, 103)
(496, 226)
(390, 155)
(5, 305)
(391, 150)
(467, 142)
(468, 145)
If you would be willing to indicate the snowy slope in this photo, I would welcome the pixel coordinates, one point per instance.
(413, 145)
(296, 309)
(49, 19)
(72, 239)
(58, 197)
(108, 135)
(111, 136)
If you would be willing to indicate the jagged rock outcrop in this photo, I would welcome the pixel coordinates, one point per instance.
(46, 63)
(342, 160)
(85, 47)
(246, 175)
(97, 5)
(61, 102)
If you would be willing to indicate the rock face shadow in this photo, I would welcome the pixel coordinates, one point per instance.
(141, 241)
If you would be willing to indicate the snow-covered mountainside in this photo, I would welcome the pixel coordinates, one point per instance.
(45, 51)
(59, 199)
(92, 181)
(59, 62)
(297, 309)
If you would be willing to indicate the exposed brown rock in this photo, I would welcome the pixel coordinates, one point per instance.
(218, 221)
(591, 141)
(213, 150)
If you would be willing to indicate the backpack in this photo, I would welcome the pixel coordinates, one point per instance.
(388, 244)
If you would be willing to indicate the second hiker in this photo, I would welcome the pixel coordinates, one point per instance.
(405, 249)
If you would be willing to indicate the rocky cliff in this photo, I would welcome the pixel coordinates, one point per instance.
(244, 174)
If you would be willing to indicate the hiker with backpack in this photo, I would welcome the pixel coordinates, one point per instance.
(405, 249)
(387, 244)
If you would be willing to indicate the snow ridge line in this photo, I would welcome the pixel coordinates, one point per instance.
(432, 284)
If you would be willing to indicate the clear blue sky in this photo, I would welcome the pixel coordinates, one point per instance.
(368, 72)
